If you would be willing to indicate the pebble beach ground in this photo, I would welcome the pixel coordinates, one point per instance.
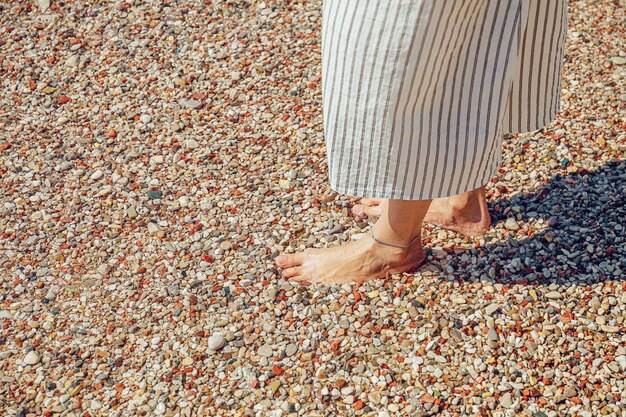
(156, 156)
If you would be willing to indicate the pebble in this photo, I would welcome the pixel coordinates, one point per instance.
(160, 409)
(609, 329)
(506, 400)
(191, 103)
(71, 62)
(553, 295)
(96, 175)
(155, 194)
(154, 228)
(491, 308)
(266, 351)
(104, 269)
(493, 335)
(31, 358)
(374, 397)
(131, 212)
(291, 349)
(511, 224)
(95, 405)
(216, 342)
(183, 201)
(43, 5)
(191, 144)
(274, 386)
(569, 392)
(421, 300)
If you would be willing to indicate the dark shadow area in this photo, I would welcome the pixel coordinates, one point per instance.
(584, 240)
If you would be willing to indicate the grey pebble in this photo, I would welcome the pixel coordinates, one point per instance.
(266, 350)
(291, 349)
(492, 334)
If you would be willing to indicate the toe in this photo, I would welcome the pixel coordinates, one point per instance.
(364, 210)
(292, 272)
(287, 261)
(370, 201)
(302, 278)
(358, 209)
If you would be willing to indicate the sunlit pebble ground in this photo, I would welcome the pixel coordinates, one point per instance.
(155, 157)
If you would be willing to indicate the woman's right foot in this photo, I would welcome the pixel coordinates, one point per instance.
(465, 213)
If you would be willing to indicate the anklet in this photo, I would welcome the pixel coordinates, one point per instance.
(394, 244)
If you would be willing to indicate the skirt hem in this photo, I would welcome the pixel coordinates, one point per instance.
(402, 195)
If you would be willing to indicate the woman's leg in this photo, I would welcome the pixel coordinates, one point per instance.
(465, 213)
(400, 223)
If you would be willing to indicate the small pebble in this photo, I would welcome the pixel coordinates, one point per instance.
(493, 335)
(291, 349)
(43, 5)
(511, 224)
(553, 295)
(72, 61)
(216, 342)
(266, 350)
(506, 400)
(96, 175)
(192, 144)
(31, 358)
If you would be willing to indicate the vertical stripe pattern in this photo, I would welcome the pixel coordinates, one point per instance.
(417, 93)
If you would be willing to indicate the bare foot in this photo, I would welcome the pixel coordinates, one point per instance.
(358, 261)
(465, 213)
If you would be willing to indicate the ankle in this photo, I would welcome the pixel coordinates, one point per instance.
(392, 254)
(468, 206)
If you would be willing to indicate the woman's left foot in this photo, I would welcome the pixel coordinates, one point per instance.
(464, 213)
(362, 260)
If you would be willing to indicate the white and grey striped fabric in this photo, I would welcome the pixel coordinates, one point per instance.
(418, 93)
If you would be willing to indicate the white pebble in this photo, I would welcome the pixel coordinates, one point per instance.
(31, 358)
(97, 175)
(216, 342)
(191, 144)
(183, 201)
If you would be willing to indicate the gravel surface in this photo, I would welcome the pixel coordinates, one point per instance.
(155, 157)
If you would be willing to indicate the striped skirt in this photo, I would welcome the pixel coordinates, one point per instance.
(418, 93)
